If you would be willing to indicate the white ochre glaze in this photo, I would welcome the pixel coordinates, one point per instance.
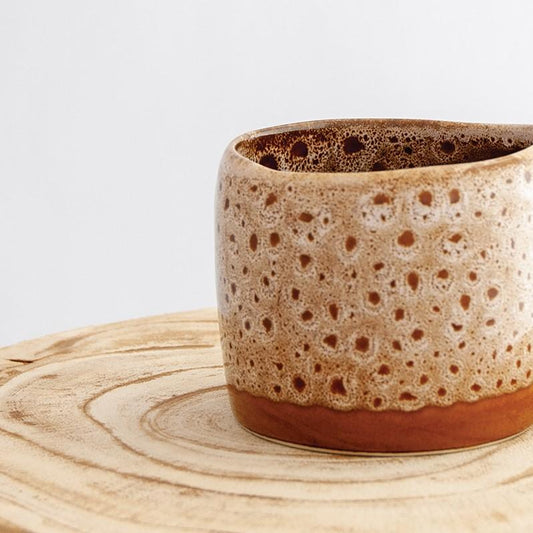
(379, 264)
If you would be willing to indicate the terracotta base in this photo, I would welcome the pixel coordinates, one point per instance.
(381, 454)
(461, 425)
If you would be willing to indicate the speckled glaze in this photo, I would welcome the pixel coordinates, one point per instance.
(376, 266)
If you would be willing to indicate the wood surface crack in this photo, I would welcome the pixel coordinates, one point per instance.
(154, 348)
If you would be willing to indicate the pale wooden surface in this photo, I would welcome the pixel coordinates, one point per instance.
(126, 427)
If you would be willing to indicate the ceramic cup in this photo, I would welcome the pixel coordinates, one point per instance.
(375, 285)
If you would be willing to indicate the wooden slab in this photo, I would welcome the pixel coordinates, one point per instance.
(127, 427)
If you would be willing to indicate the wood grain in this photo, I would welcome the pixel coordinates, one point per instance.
(127, 427)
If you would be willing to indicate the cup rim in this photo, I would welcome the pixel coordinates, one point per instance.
(522, 155)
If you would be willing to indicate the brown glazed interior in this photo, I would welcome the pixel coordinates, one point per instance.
(381, 145)
(370, 301)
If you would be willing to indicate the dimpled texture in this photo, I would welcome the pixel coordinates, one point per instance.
(388, 289)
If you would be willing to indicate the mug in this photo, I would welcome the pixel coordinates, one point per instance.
(374, 283)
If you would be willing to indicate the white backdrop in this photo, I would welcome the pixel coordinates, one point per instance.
(114, 115)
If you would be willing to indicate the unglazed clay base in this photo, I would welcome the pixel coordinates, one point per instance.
(459, 426)
(334, 451)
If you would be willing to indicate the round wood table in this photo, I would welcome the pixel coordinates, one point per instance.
(127, 427)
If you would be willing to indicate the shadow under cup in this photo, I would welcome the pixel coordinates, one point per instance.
(374, 283)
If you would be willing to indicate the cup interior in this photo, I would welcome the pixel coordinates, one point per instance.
(373, 145)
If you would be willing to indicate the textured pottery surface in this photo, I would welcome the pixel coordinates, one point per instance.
(377, 265)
